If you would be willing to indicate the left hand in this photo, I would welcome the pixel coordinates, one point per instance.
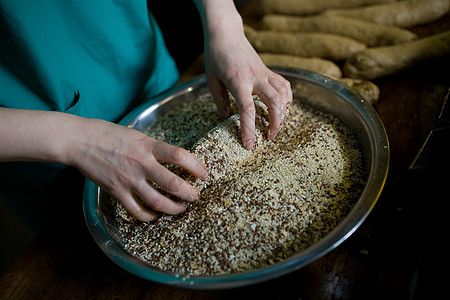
(233, 65)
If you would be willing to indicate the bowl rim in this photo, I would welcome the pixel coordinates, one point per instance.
(377, 178)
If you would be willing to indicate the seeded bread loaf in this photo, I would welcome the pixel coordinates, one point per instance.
(222, 152)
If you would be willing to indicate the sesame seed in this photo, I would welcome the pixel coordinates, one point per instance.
(257, 206)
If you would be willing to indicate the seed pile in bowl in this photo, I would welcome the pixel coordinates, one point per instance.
(258, 207)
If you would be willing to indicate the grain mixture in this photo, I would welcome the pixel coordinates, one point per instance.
(257, 207)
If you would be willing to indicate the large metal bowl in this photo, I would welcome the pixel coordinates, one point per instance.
(323, 93)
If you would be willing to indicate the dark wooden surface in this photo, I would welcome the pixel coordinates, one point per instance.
(397, 253)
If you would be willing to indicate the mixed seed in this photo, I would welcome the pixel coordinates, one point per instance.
(258, 206)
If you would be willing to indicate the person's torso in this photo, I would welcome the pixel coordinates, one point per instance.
(86, 57)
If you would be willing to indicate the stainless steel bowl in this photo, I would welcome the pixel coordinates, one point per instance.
(323, 93)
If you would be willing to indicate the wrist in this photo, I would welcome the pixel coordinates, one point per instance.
(71, 140)
(82, 137)
(29, 135)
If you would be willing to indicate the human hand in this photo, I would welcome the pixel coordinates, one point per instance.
(232, 64)
(125, 162)
(122, 161)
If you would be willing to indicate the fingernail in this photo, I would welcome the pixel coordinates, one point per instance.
(249, 144)
(182, 208)
(272, 135)
(195, 194)
(204, 174)
(152, 218)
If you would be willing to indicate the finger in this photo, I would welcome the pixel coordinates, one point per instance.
(274, 102)
(247, 117)
(221, 97)
(245, 105)
(157, 201)
(277, 95)
(136, 209)
(164, 152)
(172, 183)
(283, 88)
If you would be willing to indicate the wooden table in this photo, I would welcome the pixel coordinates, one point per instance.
(395, 254)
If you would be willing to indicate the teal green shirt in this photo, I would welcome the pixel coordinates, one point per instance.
(107, 52)
(92, 58)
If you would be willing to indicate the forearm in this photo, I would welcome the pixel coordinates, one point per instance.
(219, 17)
(28, 135)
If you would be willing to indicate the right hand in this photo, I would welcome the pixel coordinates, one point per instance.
(122, 161)
(125, 162)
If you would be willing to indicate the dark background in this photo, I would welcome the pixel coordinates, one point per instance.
(181, 26)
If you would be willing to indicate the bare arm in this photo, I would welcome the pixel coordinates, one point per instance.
(121, 160)
(233, 64)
